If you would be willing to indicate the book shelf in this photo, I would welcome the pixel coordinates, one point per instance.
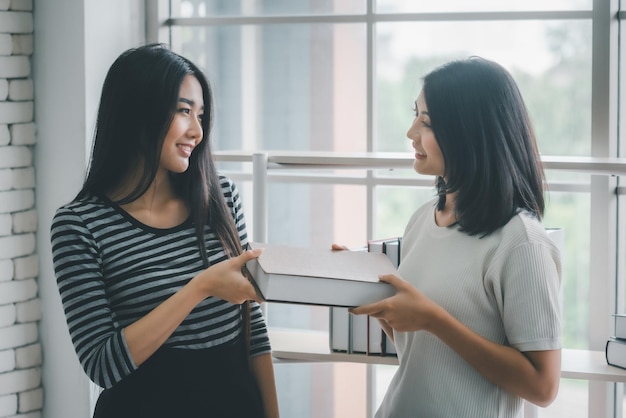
(301, 346)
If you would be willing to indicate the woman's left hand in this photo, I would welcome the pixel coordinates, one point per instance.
(407, 310)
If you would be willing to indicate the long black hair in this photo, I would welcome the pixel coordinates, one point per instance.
(138, 102)
(488, 144)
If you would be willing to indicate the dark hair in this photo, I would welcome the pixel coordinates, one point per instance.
(488, 145)
(138, 102)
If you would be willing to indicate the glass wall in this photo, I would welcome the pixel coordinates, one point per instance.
(342, 76)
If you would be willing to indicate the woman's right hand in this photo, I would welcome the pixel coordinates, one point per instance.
(225, 280)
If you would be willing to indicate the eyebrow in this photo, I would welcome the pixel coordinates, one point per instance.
(187, 101)
(423, 112)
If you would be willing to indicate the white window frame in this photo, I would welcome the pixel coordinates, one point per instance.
(605, 399)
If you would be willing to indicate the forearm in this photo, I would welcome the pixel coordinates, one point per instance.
(145, 336)
(263, 371)
(516, 372)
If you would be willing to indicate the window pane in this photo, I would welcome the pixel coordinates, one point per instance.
(202, 8)
(621, 256)
(412, 6)
(394, 206)
(571, 211)
(622, 88)
(551, 62)
(283, 87)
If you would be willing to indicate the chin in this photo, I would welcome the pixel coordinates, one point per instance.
(420, 169)
(179, 170)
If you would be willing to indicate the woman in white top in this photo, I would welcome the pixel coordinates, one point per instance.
(476, 316)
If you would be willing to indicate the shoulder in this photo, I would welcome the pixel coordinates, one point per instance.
(525, 234)
(524, 228)
(230, 193)
(79, 212)
(79, 207)
(227, 185)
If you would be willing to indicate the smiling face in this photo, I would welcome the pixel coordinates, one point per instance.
(185, 131)
(428, 157)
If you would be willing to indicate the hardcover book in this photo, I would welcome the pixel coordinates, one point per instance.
(361, 334)
(616, 352)
(319, 276)
(620, 326)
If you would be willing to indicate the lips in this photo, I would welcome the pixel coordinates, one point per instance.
(185, 149)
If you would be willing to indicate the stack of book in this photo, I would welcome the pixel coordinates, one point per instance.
(314, 276)
(361, 334)
(616, 345)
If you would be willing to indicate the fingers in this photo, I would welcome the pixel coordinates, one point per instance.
(255, 298)
(248, 255)
(372, 309)
(392, 279)
(339, 247)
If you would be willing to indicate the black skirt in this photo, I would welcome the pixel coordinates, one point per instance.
(214, 382)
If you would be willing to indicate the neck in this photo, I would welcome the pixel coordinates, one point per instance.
(160, 190)
(447, 216)
(159, 193)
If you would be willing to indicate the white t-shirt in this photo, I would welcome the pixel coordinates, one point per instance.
(504, 286)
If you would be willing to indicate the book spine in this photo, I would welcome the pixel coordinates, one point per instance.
(392, 249)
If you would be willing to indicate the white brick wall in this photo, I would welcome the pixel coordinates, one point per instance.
(8, 405)
(4, 84)
(29, 356)
(8, 316)
(6, 221)
(6, 270)
(7, 360)
(5, 136)
(21, 391)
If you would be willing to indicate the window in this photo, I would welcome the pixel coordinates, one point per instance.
(342, 75)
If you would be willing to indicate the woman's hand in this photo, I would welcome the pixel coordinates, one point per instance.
(407, 310)
(225, 280)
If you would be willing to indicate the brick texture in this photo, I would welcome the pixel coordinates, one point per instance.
(8, 405)
(21, 391)
(6, 222)
(29, 356)
(5, 136)
(7, 360)
(21, 90)
(8, 316)
(4, 86)
(17, 336)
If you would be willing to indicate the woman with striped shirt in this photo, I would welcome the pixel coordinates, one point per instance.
(148, 256)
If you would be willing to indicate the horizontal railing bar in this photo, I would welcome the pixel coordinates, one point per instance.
(379, 18)
(391, 160)
(285, 177)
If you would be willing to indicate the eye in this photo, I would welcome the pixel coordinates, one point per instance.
(184, 110)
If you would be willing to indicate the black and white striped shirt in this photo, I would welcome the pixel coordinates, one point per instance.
(112, 270)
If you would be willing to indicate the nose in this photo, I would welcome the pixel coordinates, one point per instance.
(412, 133)
(195, 130)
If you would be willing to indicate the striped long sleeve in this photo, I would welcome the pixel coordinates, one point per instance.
(112, 270)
